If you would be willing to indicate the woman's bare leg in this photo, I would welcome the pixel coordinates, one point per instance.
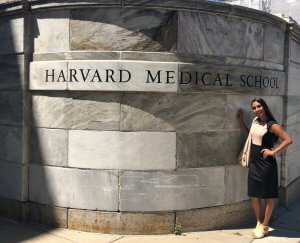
(255, 203)
(268, 211)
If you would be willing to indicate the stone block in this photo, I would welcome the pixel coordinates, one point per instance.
(236, 184)
(212, 148)
(273, 44)
(45, 214)
(230, 79)
(48, 75)
(77, 55)
(11, 106)
(83, 189)
(216, 217)
(13, 181)
(295, 51)
(218, 35)
(11, 140)
(13, 209)
(172, 190)
(290, 193)
(49, 146)
(62, 110)
(121, 223)
(123, 76)
(123, 29)
(12, 72)
(12, 31)
(122, 150)
(170, 112)
(235, 102)
(51, 31)
(293, 80)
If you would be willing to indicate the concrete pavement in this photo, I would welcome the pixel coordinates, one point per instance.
(285, 228)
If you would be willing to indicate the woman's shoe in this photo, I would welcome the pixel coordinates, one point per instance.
(258, 224)
(260, 232)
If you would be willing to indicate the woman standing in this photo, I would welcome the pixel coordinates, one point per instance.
(262, 175)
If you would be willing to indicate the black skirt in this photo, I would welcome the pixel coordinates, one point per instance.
(262, 175)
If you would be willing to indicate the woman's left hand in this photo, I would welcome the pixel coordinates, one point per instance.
(267, 152)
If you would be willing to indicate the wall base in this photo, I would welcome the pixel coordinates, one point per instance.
(129, 222)
(290, 194)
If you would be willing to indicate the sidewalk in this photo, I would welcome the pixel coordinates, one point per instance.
(285, 228)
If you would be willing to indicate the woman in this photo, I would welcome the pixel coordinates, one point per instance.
(262, 175)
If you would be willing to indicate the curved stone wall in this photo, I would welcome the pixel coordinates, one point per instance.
(132, 109)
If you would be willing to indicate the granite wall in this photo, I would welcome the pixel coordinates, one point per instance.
(117, 153)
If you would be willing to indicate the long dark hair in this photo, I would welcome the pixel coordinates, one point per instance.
(268, 112)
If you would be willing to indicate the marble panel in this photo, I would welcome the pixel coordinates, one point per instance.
(293, 81)
(11, 107)
(11, 140)
(172, 190)
(122, 150)
(48, 75)
(49, 146)
(230, 79)
(219, 35)
(295, 51)
(236, 184)
(12, 31)
(13, 180)
(51, 31)
(170, 112)
(74, 188)
(293, 122)
(273, 44)
(123, 29)
(12, 72)
(211, 148)
(123, 76)
(59, 110)
(235, 102)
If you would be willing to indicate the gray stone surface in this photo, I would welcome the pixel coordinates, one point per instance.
(11, 107)
(36, 4)
(293, 77)
(74, 188)
(235, 184)
(273, 44)
(235, 102)
(172, 190)
(56, 76)
(230, 79)
(51, 31)
(13, 181)
(62, 110)
(11, 38)
(211, 148)
(295, 51)
(219, 35)
(11, 72)
(49, 146)
(122, 150)
(123, 29)
(11, 148)
(161, 77)
(170, 112)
